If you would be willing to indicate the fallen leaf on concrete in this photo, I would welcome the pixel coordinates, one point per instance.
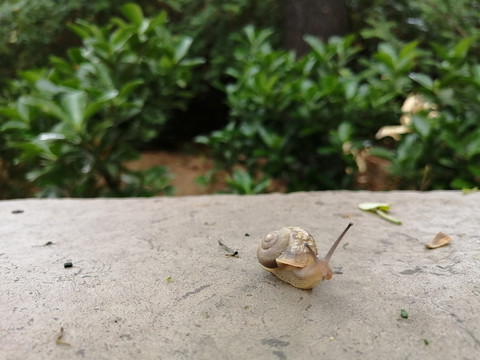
(404, 314)
(439, 240)
(381, 210)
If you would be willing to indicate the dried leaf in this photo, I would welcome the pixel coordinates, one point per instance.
(439, 240)
(392, 131)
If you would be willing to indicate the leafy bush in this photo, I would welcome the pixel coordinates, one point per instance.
(441, 149)
(30, 31)
(295, 119)
(242, 183)
(305, 120)
(82, 119)
(213, 24)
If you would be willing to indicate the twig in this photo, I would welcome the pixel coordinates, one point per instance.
(59, 340)
(231, 252)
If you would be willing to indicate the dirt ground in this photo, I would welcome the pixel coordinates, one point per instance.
(186, 167)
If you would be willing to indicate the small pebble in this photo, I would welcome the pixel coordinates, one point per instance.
(68, 264)
(404, 314)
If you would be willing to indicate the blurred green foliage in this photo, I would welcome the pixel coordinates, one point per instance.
(442, 150)
(81, 119)
(288, 118)
(305, 120)
(69, 122)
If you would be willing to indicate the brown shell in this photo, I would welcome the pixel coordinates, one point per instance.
(287, 246)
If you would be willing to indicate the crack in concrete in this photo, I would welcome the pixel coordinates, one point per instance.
(459, 323)
(197, 290)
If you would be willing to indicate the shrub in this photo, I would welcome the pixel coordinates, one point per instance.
(295, 120)
(305, 120)
(441, 149)
(82, 118)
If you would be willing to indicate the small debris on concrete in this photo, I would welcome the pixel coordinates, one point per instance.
(404, 314)
(17, 211)
(59, 340)
(48, 243)
(439, 240)
(231, 252)
(68, 264)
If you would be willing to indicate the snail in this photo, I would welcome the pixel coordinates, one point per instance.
(291, 254)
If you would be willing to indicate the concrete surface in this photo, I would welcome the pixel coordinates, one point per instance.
(150, 281)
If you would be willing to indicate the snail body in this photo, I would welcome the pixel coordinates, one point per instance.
(291, 254)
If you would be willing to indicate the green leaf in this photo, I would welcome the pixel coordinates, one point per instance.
(459, 183)
(133, 12)
(424, 80)
(461, 49)
(79, 29)
(47, 86)
(50, 136)
(409, 50)
(129, 87)
(46, 106)
(75, 104)
(261, 186)
(32, 75)
(473, 147)
(387, 217)
(374, 206)
(345, 131)
(382, 152)
(381, 210)
(120, 38)
(422, 125)
(13, 125)
(386, 55)
(182, 48)
(192, 62)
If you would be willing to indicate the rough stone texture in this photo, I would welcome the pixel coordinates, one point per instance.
(150, 281)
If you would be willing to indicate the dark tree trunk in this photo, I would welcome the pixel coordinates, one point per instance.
(321, 18)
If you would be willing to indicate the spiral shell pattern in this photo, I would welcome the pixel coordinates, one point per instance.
(286, 246)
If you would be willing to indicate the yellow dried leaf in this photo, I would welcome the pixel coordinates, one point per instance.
(439, 240)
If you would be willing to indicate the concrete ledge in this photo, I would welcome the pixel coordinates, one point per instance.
(150, 281)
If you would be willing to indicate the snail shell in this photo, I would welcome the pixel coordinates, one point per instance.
(291, 254)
